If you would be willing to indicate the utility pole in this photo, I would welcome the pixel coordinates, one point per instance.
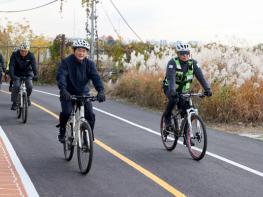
(91, 20)
(92, 36)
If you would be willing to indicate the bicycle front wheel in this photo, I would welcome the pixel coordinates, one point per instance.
(68, 146)
(85, 148)
(24, 108)
(169, 138)
(196, 138)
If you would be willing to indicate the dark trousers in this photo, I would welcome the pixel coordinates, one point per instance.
(16, 87)
(182, 105)
(67, 107)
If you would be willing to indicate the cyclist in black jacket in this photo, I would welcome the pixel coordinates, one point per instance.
(2, 68)
(73, 75)
(179, 75)
(22, 64)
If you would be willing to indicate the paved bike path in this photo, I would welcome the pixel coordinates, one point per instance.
(210, 177)
(177, 167)
(42, 156)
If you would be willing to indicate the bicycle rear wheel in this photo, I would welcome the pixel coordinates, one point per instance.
(24, 108)
(196, 138)
(169, 138)
(18, 107)
(68, 146)
(85, 148)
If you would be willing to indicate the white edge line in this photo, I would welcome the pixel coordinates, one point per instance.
(157, 133)
(46, 93)
(27, 183)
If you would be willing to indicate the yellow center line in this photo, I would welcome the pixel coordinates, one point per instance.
(126, 160)
(131, 163)
(142, 170)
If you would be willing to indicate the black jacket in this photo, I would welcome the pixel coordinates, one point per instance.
(22, 66)
(73, 76)
(171, 76)
(2, 63)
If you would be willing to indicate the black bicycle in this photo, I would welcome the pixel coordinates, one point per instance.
(22, 103)
(79, 134)
(190, 127)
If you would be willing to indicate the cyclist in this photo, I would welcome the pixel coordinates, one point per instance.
(7, 72)
(2, 68)
(22, 64)
(73, 75)
(179, 75)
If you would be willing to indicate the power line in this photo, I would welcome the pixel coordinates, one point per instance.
(125, 21)
(29, 9)
(108, 17)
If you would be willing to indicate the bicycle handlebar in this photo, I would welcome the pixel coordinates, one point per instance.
(91, 98)
(187, 95)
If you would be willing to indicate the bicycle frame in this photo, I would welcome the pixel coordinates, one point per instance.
(191, 110)
(77, 117)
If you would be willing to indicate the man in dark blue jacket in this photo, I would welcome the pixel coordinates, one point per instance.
(2, 68)
(22, 64)
(73, 75)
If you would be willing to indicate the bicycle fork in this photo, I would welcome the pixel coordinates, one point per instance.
(81, 119)
(22, 91)
(190, 112)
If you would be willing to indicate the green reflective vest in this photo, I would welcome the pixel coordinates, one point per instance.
(183, 80)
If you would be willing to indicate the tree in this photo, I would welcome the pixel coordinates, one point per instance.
(15, 33)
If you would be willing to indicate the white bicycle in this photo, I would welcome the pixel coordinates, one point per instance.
(79, 134)
(191, 127)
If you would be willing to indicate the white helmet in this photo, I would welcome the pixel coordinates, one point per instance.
(24, 46)
(182, 46)
(80, 43)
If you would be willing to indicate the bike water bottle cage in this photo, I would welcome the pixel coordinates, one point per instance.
(183, 79)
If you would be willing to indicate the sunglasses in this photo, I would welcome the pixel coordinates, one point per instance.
(184, 53)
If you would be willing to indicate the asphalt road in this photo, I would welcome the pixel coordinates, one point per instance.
(42, 155)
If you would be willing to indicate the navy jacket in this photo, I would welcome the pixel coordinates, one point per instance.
(73, 76)
(22, 66)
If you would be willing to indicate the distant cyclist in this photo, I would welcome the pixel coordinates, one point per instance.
(179, 75)
(2, 68)
(22, 64)
(73, 75)
(7, 73)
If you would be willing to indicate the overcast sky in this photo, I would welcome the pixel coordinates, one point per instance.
(201, 20)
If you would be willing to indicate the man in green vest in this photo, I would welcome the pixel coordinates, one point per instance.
(179, 75)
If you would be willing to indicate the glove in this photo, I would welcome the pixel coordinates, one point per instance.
(65, 95)
(208, 92)
(101, 96)
(35, 78)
